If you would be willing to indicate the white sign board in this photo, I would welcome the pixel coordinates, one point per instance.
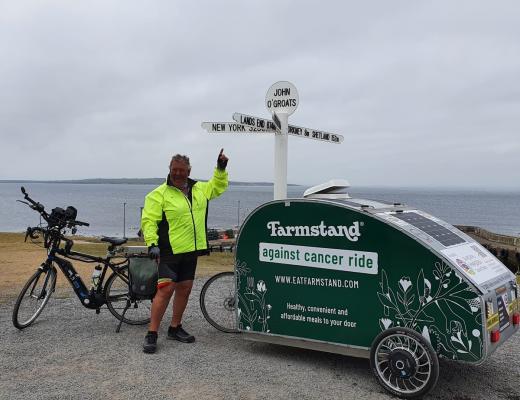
(261, 123)
(316, 134)
(231, 127)
(364, 262)
(282, 97)
(475, 262)
(254, 122)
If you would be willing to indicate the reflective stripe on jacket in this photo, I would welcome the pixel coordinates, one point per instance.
(185, 221)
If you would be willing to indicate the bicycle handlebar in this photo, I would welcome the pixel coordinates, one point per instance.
(41, 209)
(48, 235)
(33, 233)
(36, 206)
(81, 223)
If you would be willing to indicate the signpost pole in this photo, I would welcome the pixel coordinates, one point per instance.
(281, 100)
(280, 158)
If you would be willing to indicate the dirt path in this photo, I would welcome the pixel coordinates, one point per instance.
(72, 353)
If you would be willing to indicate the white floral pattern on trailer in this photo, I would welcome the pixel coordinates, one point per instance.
(438, 308)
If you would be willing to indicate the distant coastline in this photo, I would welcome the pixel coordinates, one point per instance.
(129, 181)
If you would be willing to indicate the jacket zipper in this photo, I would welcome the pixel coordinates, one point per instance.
(192, 220)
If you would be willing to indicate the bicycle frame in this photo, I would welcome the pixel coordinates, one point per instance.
(90, 298)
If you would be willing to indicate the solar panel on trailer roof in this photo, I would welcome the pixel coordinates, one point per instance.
(431, 228)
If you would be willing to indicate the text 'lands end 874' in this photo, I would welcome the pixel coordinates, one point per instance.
(309, 133)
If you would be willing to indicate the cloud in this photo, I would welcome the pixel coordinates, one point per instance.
(424, 93)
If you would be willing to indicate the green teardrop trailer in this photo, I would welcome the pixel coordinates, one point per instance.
(369, 279)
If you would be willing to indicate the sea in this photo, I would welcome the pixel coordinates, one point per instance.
(115, 209)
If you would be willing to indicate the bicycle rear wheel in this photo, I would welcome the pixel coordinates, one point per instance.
(34, 296)
(218, 303)
(118, 298)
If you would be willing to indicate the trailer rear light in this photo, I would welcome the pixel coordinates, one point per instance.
(495, 336)
(516, 319)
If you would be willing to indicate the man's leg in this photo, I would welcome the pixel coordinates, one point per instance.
(185, 275)
(159, 305)
(182, 294)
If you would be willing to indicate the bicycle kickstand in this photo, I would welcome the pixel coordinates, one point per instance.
(123, 315)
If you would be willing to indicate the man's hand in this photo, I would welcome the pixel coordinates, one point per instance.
(154, 253)
(222, 160)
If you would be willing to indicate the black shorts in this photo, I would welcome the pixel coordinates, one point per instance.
(177, 268)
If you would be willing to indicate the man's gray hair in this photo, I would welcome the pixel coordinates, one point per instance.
(181, 158)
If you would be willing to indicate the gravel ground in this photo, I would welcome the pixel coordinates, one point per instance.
(72, 353)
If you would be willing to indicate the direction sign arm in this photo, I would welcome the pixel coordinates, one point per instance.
(230, 127)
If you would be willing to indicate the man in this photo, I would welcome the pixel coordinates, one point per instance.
(174, 229)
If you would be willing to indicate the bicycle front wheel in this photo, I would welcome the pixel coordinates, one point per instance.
(34, 296)
(118, 299)
(218, 302)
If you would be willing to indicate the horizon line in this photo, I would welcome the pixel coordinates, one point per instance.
(262, 183)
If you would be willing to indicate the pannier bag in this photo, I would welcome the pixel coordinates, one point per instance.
(142, 275)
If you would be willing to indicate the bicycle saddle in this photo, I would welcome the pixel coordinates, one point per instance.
(114, 240)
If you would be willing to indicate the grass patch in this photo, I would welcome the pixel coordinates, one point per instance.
(19, 260)
(215, 263)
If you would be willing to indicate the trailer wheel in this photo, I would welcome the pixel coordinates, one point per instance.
(404, 362)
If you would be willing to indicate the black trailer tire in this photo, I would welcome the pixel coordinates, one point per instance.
(38, 289)
(218, 302)
(404, 362)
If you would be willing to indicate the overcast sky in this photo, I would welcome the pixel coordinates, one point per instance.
(425, 93)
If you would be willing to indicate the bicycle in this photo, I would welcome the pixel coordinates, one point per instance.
(218, 300)
(114, 292)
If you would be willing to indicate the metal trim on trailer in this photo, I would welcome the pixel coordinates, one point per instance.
(309, 344)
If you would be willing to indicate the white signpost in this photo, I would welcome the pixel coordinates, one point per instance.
(281, 100)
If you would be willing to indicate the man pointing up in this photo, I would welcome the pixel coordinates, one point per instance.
(174, 227)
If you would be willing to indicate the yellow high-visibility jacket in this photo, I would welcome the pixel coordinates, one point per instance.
(173, 222)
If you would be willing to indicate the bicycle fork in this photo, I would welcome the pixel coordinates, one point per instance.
(44, 268)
